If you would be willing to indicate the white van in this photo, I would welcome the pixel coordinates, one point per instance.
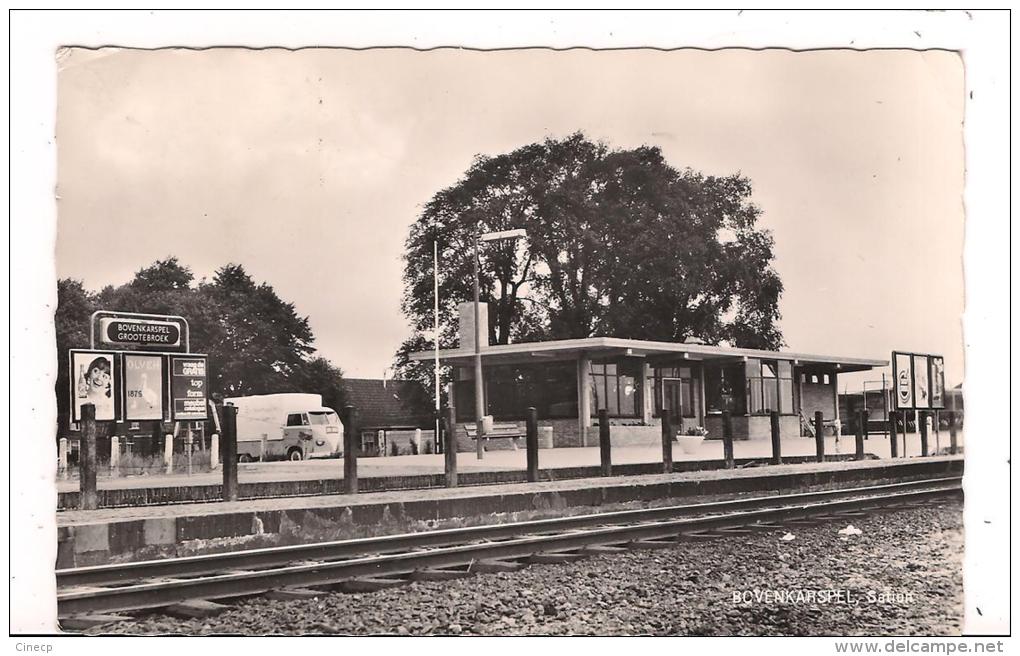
(288, 426)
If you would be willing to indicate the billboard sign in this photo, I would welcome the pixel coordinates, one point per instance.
(903, 381)
(144, 387)
(922, 398)
(919, 380)
(188, 388)
(94, 379)
(938, 381)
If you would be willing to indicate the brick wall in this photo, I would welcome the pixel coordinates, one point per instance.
(817, 396)
(755, 427)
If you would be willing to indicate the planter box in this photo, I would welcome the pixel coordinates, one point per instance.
(690, 444)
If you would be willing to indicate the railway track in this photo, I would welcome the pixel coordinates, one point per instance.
(451, 553)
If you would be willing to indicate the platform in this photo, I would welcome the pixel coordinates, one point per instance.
(118, 534)
(316, 477)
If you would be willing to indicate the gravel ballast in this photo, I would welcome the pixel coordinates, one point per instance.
(901, 575)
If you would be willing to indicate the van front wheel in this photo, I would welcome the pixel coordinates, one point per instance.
(294, 454)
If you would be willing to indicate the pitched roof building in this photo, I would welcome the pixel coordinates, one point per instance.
(389, 404)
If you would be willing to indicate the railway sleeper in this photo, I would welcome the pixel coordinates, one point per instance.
(84, 622)
(195, 609)
(291, 594)
(440, 574)
(369, 584)
(651, 544)
(496, 565)
(554, 557)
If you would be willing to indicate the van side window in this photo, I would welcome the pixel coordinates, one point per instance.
(294, 420)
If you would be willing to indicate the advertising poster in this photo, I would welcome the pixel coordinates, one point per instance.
(94, 380)
(921, 392)
(903, 377)
(938, 382)
(188, 388)
(143, 387)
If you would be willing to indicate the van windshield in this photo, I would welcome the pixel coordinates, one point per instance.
(323, 418)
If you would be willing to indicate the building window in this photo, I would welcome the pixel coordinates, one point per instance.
(769, 386)
(674, 389)
(724, 388)
(550, 388)
(614, 388)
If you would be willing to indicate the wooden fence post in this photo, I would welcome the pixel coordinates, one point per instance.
(531, 443)
(862, 429)
(229, 427)
(605, 443)
(820, 436)
(892, 434)
(727, 439)
(450, 447)
(667, 442)
(351, 434)
(953, 447)
(777, 445)
(922, 419)
(88, 498)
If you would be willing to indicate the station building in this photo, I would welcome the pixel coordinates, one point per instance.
(569, 381)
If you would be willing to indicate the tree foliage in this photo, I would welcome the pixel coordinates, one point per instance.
(256, 342)
(619, 244)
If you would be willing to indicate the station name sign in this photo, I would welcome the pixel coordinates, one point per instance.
(142, 332)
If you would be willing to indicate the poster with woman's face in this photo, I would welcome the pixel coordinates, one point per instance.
(922, 397)
(94, 380)
(903, 381)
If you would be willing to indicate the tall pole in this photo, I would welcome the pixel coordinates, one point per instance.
(435, 319)
(479, 387)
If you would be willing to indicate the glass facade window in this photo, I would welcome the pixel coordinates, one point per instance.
(674, 389)
(550, 388)
(724, 388)
(614, 388)
(769, 386)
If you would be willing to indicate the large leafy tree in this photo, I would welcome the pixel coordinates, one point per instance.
(620, 243)
(256, 342)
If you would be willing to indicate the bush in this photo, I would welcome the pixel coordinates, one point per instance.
(394, 449)
(414, 447)
(428, 446)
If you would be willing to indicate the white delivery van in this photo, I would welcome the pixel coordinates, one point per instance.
(290, 426)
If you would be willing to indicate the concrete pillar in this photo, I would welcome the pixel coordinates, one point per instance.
(417, 440)
(380, 439)
(583, 397)
(114, 455)
(214, 451)
(168, 452)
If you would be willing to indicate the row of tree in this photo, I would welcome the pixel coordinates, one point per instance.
(619, 243)
(256, 342)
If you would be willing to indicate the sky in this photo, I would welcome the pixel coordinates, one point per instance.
(308, 167)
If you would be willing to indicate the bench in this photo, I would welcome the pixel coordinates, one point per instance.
(510, 430)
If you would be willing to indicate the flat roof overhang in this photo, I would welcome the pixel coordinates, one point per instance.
(608, 347)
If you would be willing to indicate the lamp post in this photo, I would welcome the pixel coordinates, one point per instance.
(479, 386)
